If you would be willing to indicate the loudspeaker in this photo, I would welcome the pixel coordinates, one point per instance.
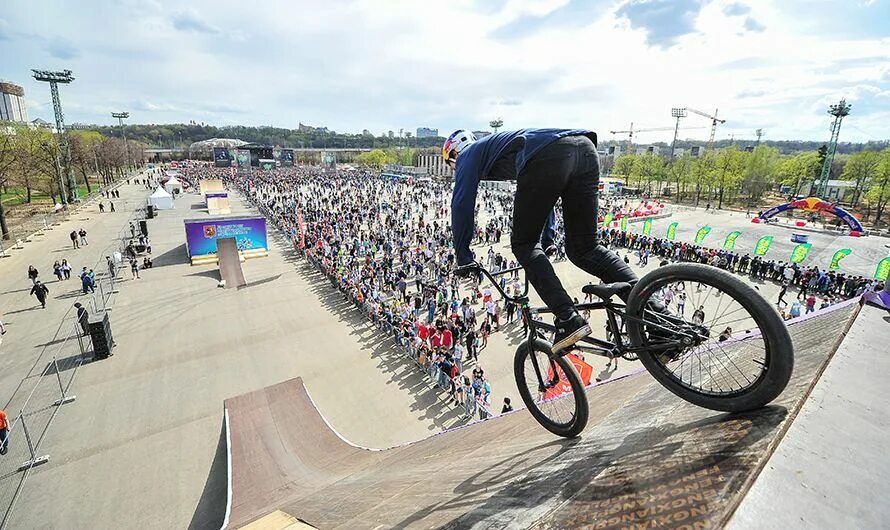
(100, 335)
(150, 211)
(143, 226)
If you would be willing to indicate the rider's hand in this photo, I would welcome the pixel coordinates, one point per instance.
(465, 271)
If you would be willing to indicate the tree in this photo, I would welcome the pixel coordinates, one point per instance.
(861, 168)
(701, 173)
(376, 158)
(760, 172)
(798, 170)
(496, 124)
(681, 170)
(623, 166)
(7, 159)
(730, 167)
(84, 156)
(879, 192)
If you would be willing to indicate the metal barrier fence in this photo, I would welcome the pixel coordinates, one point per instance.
(51, 375)
(430, 370)
(47, 387)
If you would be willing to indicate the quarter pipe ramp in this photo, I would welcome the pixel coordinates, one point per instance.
(646, 460)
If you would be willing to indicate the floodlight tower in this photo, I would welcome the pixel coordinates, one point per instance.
(120, 119)
(838, 111)
(54, 78)
(676, 113)
(759, 133)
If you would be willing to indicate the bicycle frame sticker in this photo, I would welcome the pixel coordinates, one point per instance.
(563, 386)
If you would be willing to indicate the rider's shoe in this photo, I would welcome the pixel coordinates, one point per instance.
(568, 332)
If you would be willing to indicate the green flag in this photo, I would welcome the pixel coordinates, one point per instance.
(729, 244)
(838, 256)
(647, 227)
(607, 220)
(883, 270)
(763, 245)
(700, 235)
(624, 224)
(800, 252)
(672, 231)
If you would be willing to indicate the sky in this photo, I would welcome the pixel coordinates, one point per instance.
(387, 65)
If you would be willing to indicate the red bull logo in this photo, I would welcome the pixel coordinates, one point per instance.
(811, 204)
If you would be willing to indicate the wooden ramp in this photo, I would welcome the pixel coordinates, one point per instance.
(647, 459)
(230, 263)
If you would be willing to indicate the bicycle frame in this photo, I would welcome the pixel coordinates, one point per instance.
(589, 344)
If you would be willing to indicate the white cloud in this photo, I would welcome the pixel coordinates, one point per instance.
(387, 65)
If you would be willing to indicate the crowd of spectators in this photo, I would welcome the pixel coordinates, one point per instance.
(385, 246)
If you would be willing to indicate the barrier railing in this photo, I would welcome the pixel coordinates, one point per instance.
(47, 387)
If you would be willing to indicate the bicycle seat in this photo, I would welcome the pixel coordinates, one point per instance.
(606, 291)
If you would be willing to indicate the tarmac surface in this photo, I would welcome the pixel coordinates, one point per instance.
(144, 443)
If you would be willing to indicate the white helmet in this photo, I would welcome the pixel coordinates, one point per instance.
(457, 142)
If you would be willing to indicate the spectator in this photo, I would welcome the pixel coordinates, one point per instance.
(4, 432)
(811, 304)
(32, 274)
(508, 407)
(73, 236)
(83, 318)
(40, 291)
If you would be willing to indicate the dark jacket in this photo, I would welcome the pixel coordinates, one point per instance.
(474, 165)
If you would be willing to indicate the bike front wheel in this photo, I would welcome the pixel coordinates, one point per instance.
(551, 389)
(714, 341)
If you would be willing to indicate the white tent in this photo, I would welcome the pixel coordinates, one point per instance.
(173, 184)
(161, 200)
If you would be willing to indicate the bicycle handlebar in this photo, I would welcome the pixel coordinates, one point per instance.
(477, 267)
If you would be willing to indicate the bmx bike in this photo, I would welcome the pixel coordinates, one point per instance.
(729, 351)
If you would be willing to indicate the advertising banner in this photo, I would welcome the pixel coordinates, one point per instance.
(563, 386)
(700, 235)
(763, 245)
(647, 227)
(800, 252)
(201, 234)
(287, 157)
(838, 256)
(729, 243)
(883, 270)
(672, 231)
(221, 157)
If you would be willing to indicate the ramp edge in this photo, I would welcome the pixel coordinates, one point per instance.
(774, 443)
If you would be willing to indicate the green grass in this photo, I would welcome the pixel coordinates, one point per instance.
(16, 196)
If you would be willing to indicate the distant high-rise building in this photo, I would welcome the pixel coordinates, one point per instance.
(12, 103)
(366, 132)
(481, 134)
(426, 132)
(391, 134)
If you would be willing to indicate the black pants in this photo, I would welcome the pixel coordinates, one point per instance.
(567, 168)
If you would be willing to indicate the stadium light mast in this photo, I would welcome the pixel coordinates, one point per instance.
(676, 113)
(54, 78)
(839, 111)
(120, 119)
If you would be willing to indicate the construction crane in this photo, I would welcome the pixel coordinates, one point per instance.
(714, 121)
(630, 133)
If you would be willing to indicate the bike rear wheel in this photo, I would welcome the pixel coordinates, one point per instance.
(741, 357)
(560, 404)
